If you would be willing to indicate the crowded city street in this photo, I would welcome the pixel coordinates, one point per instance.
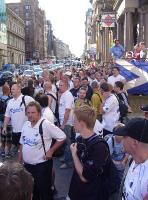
(73, 100)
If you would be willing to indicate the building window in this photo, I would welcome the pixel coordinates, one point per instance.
(27, 14)
(27, 7)
(17, 10)
(28, 23)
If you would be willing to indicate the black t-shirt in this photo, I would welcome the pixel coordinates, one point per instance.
(94, 161)
(74, 92)
(123, 97)
(89, 93)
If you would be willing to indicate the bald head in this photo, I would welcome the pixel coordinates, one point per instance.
(16, 90)
(63, 86)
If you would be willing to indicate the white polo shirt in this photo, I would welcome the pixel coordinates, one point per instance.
(111, 113)
(32, 148)
(136, 182)
(48, 114)
(66, 102)
(112, 79)
(17, 112)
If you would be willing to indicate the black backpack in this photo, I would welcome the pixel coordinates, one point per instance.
(110, 181)
(123, 109)
(3, 106)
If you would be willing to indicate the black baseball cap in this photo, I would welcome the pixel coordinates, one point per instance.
(144, 108)
(136, 128)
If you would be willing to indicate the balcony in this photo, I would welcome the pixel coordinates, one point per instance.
(117, 4)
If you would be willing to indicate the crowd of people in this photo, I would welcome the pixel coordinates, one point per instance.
(82, 115)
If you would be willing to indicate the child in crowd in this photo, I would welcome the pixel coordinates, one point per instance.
(117, 151)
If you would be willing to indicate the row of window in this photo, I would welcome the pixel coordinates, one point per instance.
(15, 57)
(16, 42)
(27, 7)
(15, 27)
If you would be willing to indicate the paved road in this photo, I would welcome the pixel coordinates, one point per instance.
(62, 180)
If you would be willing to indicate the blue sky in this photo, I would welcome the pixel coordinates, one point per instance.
(67, 18)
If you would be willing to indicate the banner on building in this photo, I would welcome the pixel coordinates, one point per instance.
(3, 21)
(136, 75)
(2, 11)
(108, 20)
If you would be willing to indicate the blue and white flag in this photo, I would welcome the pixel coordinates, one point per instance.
(136, 75)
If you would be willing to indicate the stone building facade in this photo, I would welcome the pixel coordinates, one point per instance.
(88, 32)
(101, 35)
(132, 22)
(34, 19)
(15, 38)
(130, 25)
(50, 40)
(61, 49)
(3, 34)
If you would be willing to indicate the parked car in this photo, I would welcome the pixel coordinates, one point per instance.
(28, 73)
(38, 71)
(9, 67)
(22, 68)
(6, 76)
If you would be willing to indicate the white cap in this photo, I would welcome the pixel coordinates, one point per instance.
(68, 73)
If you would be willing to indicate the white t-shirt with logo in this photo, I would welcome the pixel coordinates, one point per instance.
(17, 112)
(136, 182)
(111, 113)
(32, 147)
(66, 102)
(112, 79)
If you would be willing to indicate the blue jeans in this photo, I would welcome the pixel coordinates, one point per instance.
(67, 153)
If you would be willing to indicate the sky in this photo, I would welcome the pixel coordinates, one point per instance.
(67, 18)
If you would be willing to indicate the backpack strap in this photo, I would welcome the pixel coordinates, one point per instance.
(97, 139)
(49, 94)
(23, 101)
(7, 99)
(99, 97)
(41, 134)
(113, 142)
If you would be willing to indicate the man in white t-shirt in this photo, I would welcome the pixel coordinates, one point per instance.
(36, 150)
(109, 109)
(115, 77)
(136, 144)
(15, 112)
(66, 105)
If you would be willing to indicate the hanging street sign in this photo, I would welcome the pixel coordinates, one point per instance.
(108, 20)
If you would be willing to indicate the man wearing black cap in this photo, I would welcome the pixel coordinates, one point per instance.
(145, 110)
(135, 141)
